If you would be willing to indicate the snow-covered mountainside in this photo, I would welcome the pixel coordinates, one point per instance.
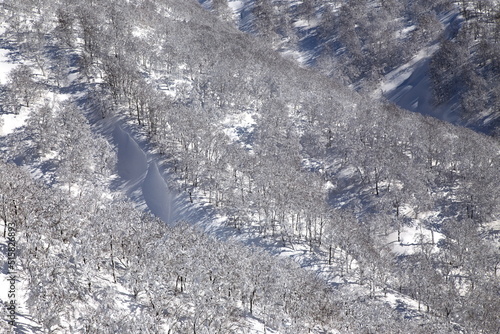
(450, 49)
(164, 172)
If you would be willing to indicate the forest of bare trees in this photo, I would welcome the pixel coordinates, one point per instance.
(320, 165)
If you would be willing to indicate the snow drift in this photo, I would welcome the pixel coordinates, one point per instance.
(142, 176)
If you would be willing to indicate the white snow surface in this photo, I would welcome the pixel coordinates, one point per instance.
(24, 322)
(409, 85)
(306, 24)
(235, 124)
(412, 239)
(398, 76)
(236, 6)
(5, 66)
(12, 121)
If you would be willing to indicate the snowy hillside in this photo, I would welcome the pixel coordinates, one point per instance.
(164, 172)
(366, 43)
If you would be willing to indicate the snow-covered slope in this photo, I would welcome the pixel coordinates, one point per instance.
(375, 46)
(410, 87)
(385, 212)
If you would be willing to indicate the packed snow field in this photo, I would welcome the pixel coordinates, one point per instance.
(154, 181)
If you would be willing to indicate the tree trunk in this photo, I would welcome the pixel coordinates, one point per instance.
(112, 260)
(252, 297)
